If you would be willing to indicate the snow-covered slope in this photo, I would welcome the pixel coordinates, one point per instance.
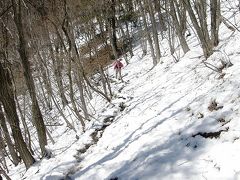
(175, 121)
(159, 135)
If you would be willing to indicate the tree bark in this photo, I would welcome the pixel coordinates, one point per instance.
(27, 133)
(179, 30)
(36, 113)
(73, 56)
(215, 20)
(8, 139)
(206, 44)
(57, 63)
(148, 35)
(4, 174)
(162, 24)
(71, 95)
(46, 82)
(154, 31)
(7, 99)
(112, 27)
(3, 152)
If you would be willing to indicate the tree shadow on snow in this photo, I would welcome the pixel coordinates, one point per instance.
(158, 162)
(58, 169)
(172, 159)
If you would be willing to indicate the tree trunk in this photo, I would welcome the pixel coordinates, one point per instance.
(71, 95)
(59, 77)
(162, 24)
(9, 142)
(112, 28)
(179, 30)
(129, 40)
(104, 83)
(27, 133)
(201, 9)
(206, 45)
(57, 60)
(46, 82)
(148, 35)
(154, 31)
(36, 113)
(102, 31)
(7, 99)
(3, 152)
(95, 89)
(215, 20)
(4, 174)
(73, 56)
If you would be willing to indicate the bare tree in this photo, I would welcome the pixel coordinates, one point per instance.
(7, 99)
(8, 139)
(146, 31)
(201, 25)
(179, 25)
(149, 4)
(215, 20)
(36, 113)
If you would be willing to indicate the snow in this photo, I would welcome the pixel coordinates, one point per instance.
(156, 135)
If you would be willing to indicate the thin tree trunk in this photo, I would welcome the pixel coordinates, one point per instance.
(36, 113)
(28, 136)
(129, 40)
(96, 90)
(148, 35)
(50, 136)
(154, 31)
(171, 39)
(71, 95)
(112, 27)
(57, 60)
(162, 24)
(103, 80)
(62, 114)
(81, 90)
(215, 20)
(102, 32)
(47, 83)
(206, 45)
(3, 152)
(72, 56)
(58, 72)
(9, 142)
(201, 9)
(7, 99)
(178, 28)
(143, 41)
(108, 85)
(126, 36)
(4, 173)
(114, 47)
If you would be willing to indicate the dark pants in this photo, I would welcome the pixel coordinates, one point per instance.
(119, 74)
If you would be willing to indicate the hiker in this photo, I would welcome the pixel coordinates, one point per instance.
(117, 65)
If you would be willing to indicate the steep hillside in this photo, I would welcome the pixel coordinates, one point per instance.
(181, 121)
(175, 121)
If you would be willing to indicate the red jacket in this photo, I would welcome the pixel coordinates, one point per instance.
(117, 64)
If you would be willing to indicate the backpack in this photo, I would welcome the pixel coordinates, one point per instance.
(118, 65)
